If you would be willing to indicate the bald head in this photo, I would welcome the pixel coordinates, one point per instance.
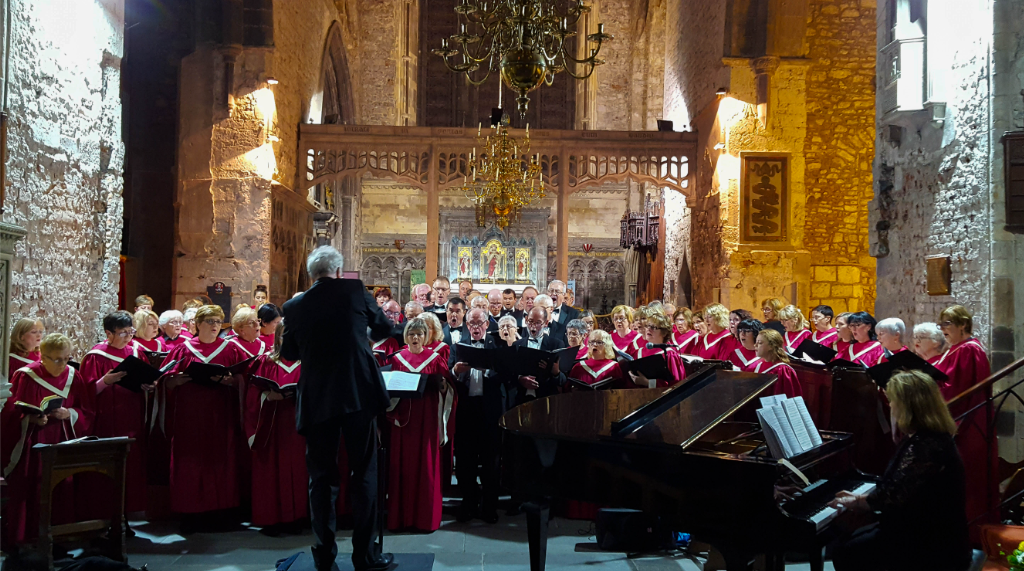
(393, 311)
(476, 322)
(494, 302)
(536, 320)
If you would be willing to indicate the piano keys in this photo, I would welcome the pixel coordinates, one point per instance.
(690, 454)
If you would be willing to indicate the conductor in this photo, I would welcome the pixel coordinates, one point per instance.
(340, 392)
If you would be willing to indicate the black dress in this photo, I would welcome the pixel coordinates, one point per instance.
(920, 502)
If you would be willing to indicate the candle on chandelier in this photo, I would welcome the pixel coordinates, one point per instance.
(527, 129)
(479, 127)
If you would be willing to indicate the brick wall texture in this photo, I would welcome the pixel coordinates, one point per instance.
(65, 159)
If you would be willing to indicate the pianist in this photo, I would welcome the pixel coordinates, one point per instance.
(920, 500)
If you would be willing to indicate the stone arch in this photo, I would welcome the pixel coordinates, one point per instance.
(337, 103)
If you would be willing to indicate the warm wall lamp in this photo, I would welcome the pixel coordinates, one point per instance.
(722, 91)
(272, 81)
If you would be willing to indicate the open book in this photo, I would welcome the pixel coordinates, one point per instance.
(787, 426)
(46, 406)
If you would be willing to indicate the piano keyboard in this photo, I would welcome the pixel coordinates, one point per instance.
(824, 516)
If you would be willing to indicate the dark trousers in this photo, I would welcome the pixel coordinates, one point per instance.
(477, 443)
(322, 442)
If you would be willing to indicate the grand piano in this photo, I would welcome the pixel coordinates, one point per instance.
(692, 454)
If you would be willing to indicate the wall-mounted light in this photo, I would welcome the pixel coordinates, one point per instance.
(722, 91)
(719, 146)
(272, 81)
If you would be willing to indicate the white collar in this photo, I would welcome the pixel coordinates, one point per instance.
(725, 333)
(871, 345)
(22, 359)
(288, 368)
(746, 363)
(134, 348)
(952, 350)
(599, 372)
(224, 343)
(61, 393)
(263, 346)
(419, 368)
(757, 367)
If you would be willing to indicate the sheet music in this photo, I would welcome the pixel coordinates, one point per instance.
(401, 381)
(779, 427)
(799, 430)
(770, 437)
(805, 416)
(788, 436)
(690, 359)
(771, 400)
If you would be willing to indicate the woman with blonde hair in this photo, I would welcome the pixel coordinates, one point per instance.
(966, 364)
(147, 331)
(279, 476)
(719, 343)
(26, 337)
(435, 338)
(21, 430)
(624, 338)
(419, 430)
(772, 359)
(205, 424)
(600, 363)
(659, 328)
(770, 308)
(246, 327)
(920, 499)
(795, 325)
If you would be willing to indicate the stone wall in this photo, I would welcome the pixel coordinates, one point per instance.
(838, 149)
(693, 58)
(378, 59)
(65, 162)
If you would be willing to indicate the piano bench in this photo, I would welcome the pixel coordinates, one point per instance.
(996, 538)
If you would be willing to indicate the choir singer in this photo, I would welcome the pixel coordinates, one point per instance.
(340, 392)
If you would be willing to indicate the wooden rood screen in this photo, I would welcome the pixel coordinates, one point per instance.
(435, 158)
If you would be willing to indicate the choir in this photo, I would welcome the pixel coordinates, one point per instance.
(231, 438)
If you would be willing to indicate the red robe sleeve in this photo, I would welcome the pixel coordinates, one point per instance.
(675, 365)
(82, 407)
(788, 383)
(259, 412)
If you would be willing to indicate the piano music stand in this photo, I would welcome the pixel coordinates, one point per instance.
(858, 407)
(60, 461)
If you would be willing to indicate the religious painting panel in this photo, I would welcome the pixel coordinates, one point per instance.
(492, 261)
(522, 268)
(465, 264)
(764, 207)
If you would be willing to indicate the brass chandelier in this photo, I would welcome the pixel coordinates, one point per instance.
(505, 178)
(523, 40)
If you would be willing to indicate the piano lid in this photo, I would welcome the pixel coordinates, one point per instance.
(677, 416)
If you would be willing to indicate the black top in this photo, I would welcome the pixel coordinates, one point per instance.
(921, 501)
(776, 325)
(567, 313)
(325, 327)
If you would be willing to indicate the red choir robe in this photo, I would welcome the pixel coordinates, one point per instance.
(15, 362)
(23, 468)
(419, 429)
(441, 348)
(717, 346)
(794, 339)
(744, 358)
(826, 339)
(187, 334)
(119, 412)
(686, 343)
(582, 353)
(966, 365)
(383, 349)
(172, 344)
(154, 345)
(675, 366)
(591, 371)
(628, 344)
(840, 345)
(280, 482)
(882, 359)
(788, 383)
(866, 353)
(268, 341)
(253, 348)
(205, 432)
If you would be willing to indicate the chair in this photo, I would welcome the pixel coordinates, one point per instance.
(60, 461)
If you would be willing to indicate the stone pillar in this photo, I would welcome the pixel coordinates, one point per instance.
(226, 164)
(9, 234)
(562, 225)
(433, 221)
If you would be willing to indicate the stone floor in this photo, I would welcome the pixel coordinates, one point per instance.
(473, 546)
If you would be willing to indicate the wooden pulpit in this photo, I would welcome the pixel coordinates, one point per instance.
(60, 461)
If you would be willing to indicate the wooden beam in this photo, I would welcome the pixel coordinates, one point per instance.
(433, 219)
(562, 225)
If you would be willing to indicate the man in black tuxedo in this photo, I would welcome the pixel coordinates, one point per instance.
(340, 392)
(553, 328)
(481, 404)
(544, 383)
(508, 304)
(562, 313)
(454, 328)
(439, 294)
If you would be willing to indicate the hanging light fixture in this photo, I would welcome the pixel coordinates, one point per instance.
(523, 40)
(505, 178)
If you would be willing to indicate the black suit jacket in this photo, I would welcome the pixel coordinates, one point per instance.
(567, 313)
(325, 328)
(448, 333)
(549, 384)
(494, 389)
(555, 330)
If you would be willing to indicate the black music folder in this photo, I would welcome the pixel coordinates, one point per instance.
(844, 364)
(139, 372)
(653, 367)
(567, 358)
(46, 406)
(265, 384)
(156, 357)
(483, 358)
(904, 361)
(204, 373)
(578, 385)
(819, 353)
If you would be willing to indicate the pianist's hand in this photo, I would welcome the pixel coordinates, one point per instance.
(529, 382)
(786, 492)
(460, 368)
(852, 502)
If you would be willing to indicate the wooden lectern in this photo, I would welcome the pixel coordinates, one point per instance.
(60, 461)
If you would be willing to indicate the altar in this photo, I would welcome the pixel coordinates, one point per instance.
(492, 258)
